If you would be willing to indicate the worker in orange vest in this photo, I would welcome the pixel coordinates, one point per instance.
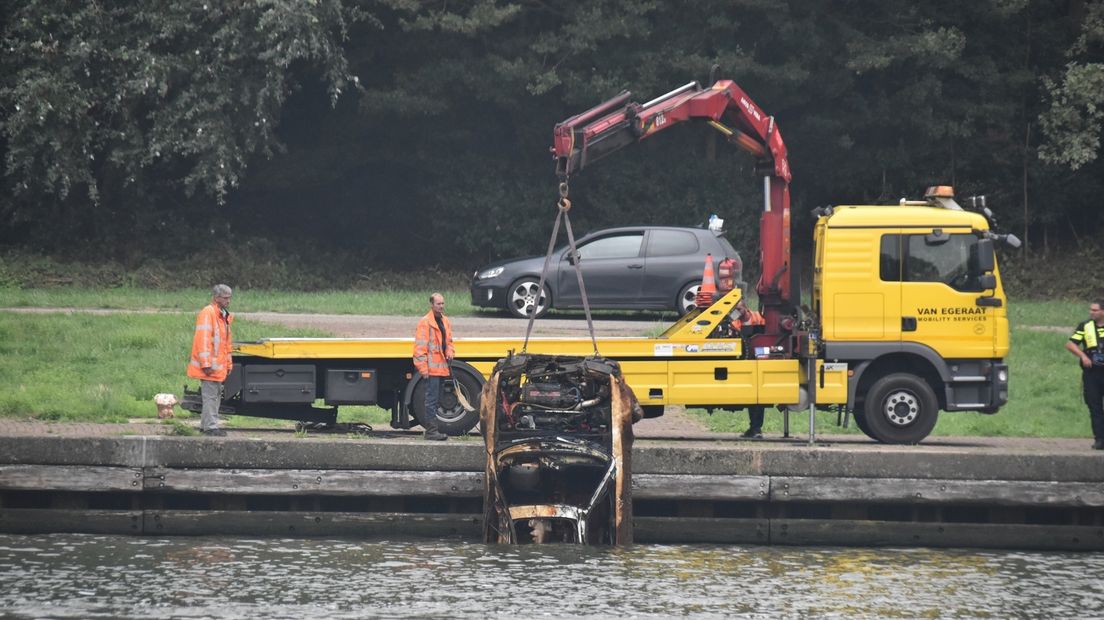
(746, 317)
(432, 354)
(211, 361)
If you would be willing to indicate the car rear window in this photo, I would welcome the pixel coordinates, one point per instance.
(672, 243)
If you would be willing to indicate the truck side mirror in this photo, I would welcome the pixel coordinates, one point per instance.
(986, 260)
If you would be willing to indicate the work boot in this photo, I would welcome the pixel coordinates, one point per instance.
(214, 432)
(431, 432)
(1098, 444)
(752, 433)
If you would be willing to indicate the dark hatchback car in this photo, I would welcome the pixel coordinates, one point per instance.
(630, 268)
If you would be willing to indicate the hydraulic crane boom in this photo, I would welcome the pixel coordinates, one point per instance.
(610, 126)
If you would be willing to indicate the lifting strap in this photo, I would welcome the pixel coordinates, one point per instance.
(562, 207)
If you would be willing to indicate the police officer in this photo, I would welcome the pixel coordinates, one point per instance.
(1087, 343)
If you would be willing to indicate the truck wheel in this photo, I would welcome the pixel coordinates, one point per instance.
(684, 303)
(860, 420)
(901, 409)
(521, 298)
(452, 419)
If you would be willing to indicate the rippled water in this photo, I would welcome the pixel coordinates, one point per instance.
(84, 576)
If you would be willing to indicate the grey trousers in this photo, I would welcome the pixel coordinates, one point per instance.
(211, 393)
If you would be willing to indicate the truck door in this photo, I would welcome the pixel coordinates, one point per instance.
(939, 291)
(858, 277)
(613, 269)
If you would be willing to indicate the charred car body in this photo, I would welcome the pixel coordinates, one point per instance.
(558, 435)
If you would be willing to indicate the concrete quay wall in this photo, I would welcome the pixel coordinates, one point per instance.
(960, 492)
(963, 461)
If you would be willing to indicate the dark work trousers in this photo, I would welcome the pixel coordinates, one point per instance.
(755, 417)
(432, 400)
(1093, 388)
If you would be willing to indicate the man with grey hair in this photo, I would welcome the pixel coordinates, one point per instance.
(211, 361)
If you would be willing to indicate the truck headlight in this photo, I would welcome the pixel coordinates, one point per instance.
(1002, 375)
(489, 273)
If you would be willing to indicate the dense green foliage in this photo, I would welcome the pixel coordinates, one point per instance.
(402, 134)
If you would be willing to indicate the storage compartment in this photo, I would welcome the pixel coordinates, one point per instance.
(292, 383)
(351, 387)
(831, 383)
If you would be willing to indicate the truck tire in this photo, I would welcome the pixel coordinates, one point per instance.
(900, 409)
(859, 417)
(452, 419)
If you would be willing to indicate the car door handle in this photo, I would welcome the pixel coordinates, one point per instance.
(636, 266)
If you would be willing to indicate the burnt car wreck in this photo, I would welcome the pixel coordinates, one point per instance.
(558, 435)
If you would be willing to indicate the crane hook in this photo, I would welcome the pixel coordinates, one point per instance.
(564, 204)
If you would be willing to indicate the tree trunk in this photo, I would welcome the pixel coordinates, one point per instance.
(1026, 207)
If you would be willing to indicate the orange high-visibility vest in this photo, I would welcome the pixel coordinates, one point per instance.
(211, 345)
(428, 354)
(754, 318)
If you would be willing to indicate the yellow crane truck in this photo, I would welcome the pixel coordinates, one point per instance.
(908, 316)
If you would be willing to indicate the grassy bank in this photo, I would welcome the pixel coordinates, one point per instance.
(89, 368)
(244, 264)
(402, 303)
(107, 368)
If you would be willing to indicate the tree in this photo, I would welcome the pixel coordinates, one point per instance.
(109, 106)
(1074, 121)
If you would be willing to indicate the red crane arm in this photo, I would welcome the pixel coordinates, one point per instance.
(610, 126)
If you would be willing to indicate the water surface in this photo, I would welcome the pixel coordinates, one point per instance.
(88, 576)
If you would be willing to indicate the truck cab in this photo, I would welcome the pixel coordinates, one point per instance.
(910, 298)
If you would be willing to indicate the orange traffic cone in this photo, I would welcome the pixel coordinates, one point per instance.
(708, 286)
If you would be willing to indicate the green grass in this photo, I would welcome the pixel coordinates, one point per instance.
(99, 368)
(402, 303)
(92, 368)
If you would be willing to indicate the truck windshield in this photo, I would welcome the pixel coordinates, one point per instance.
(952, 260)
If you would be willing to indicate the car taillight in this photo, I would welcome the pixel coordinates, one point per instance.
(726, 275)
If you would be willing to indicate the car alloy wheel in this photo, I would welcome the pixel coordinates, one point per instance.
(523, 298)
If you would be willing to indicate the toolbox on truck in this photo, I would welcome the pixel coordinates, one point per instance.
(278, 383)
(351, 386)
